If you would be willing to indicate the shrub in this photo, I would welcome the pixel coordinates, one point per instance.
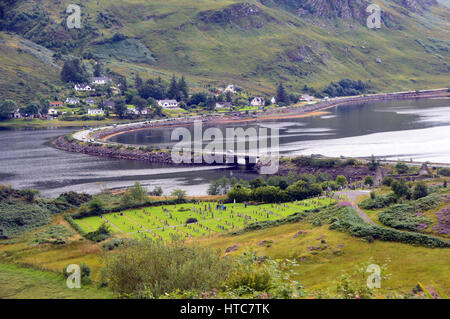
(96, 206)
(378, 201)
(420, 190)
(404, 216)
(402, 168)
(147, 269)
(101, 234)
(239, 194)
(346, 219)
(341, 180)
(387, 181)
(444, 171)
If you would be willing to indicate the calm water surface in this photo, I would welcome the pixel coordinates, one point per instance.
(418, 129)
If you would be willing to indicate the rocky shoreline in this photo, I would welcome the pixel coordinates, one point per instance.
(113, 152)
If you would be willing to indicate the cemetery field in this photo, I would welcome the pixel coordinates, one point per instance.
(194, 220)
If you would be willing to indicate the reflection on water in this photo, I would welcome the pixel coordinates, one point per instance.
(417, 129)
(406, 129)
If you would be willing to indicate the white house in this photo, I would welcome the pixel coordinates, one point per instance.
(133, 110)
(90, 102)
(230, 88)
(52, 112)
(72, 101)
(257, 101)
(223, 105)
(168, 104)
(307, 98)
(95, 112)
(100, 80)
(83, 87)
(16, 114)
(273, 100)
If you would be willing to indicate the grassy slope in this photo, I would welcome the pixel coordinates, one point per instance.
(257, 58)
(406, 264)
(25, 283)
(24, 73)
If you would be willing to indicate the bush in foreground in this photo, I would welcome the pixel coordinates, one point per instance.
(148, 269)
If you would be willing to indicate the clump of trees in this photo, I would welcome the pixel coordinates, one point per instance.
(347, 87)
(6, 108)
(280, 190)
(74, 71)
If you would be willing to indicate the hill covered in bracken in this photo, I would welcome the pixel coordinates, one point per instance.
(255, 44)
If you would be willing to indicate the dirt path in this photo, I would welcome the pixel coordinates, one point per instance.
(353, 196)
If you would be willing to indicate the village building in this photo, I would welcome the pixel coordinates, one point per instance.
(273, 100)
(307, 98)
(100, 80)
(72, 101)
(96, 112)
(56, 104)
(134, 110)
(52, 112)
(258, 101)
(168, 104)
(83, 87)
(230, 88)
(90, 102)
(16, 114)
(110, 104)
(223, 105)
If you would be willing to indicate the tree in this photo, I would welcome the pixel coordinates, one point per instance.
(369, 181)
(96, 206)
(120, 108)
(257, 182)
(98, 69)
(282, 96)
(198, 98)
(229, 96)
(138, 193)
(301, 190)
(138, 82)
(239, 194)
(267, 194)
(341, 180)
(183, 87)
(123, 85)
(73, 71)
(373, 164)
(400, 188)
(179, 194)
(420, 190)
(173, 92)
(158, 191)
(402, 168)
(139, 102)
(31, 109)
(6, 108)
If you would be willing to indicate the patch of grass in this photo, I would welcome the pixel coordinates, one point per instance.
(340, 252)
(26, 283)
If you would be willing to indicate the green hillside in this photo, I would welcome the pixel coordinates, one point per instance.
(251, 43)
(25, 68)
